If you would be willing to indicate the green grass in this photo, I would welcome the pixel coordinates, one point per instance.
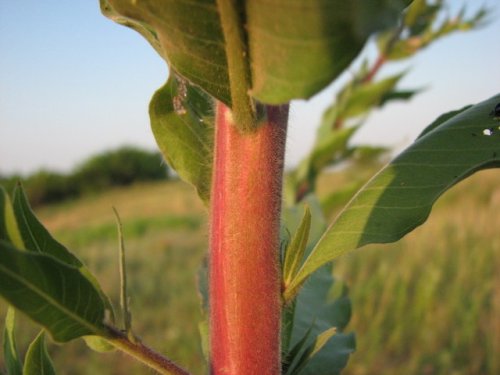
(429, 304)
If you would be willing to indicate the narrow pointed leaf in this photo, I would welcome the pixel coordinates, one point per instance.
(183, 127)
(37, 360)
(11, 356)
(297, 247)
(401, 196)
(52, 293)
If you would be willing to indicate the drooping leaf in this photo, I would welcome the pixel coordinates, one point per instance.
(36, 238)
(52, 293)
(400, 197)
(11, 356)
(298, 47)
(37, 360)
(182, 125)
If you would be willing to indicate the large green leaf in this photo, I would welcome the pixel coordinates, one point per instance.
(183, 127)
(52, 293)
(292, 48)
(298, 47)
(37, 360)
(400, 197)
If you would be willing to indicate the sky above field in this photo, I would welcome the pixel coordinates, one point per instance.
(73, 83)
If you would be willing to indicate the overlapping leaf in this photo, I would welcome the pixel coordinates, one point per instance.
(295, 47)
(401, 196)
(181, 120)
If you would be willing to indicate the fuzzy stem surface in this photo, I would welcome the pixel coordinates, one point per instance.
(244, 241)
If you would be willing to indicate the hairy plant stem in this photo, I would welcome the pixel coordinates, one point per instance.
(244, 241)
(144, 354)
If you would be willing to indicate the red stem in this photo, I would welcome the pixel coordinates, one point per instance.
(244, 266)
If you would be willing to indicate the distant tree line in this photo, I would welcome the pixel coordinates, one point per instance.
(120, 167)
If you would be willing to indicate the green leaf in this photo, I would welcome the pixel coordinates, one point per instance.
(34, 235)
(340, 197)
(11, 355)
(296, 249)
(322, 307)
(52, 293)
(441, 119)
(37, 239)
(9, 230)
(182, 125)
(286, 58)
(363, 98)
(331, 147)
(400, 197)
(312, 350)
(290, 359)
(298, 47)
(397, 95)
(37, 360)
(186, 33)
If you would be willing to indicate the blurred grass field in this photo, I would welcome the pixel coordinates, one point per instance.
(429, 304)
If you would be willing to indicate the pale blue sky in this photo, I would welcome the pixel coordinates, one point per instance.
(73, 83)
